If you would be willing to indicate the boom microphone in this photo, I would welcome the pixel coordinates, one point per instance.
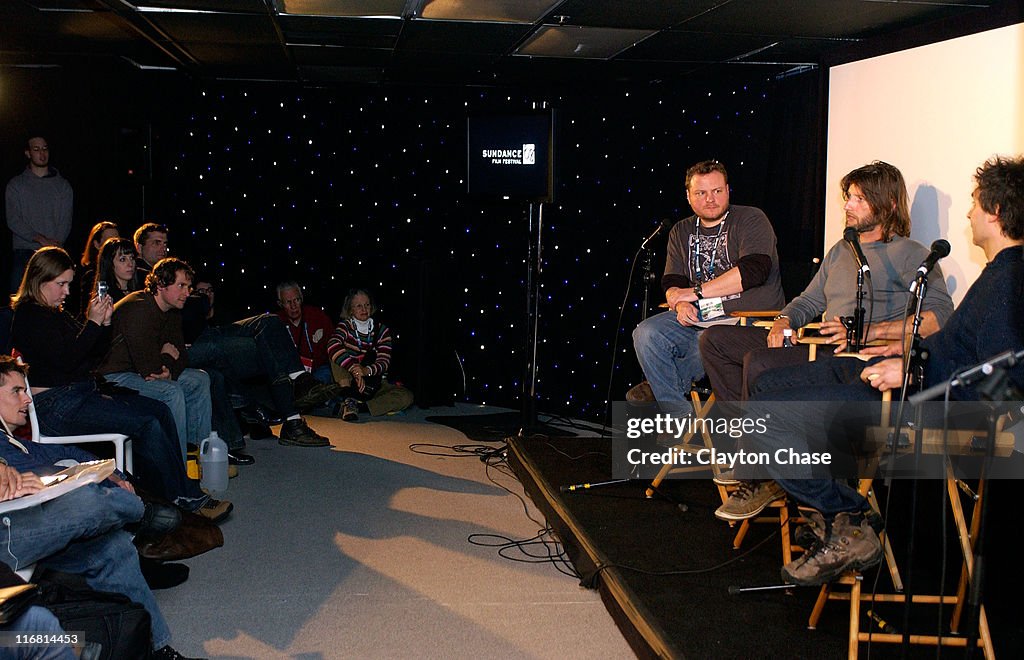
(853, 238)
(665, 223)
(940, 249)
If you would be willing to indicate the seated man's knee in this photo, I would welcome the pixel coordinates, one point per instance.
(647, 333)
(199, 377)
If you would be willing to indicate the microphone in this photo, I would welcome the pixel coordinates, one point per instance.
(940, 249)
(853, 238)
(969, 376)
(665, 223)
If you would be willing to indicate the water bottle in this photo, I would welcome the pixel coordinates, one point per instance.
(787, 338)
(213, 461)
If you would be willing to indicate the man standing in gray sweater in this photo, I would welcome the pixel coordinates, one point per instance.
(39, 203)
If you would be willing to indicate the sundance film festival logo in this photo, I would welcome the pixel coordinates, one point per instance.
(525, 156)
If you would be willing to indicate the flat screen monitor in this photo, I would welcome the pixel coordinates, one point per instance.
(511, 157)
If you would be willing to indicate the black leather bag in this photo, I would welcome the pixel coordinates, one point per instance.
(120, 625)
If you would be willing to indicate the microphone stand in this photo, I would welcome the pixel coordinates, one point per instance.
(648, 279)
(912, 359)
(858, 314)
(994, 386)
(994, 389)
(648, 276)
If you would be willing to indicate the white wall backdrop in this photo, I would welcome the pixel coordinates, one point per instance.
(936, 112)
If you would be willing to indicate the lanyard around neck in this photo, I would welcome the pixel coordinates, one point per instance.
(714, 251)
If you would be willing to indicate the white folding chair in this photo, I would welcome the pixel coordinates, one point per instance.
(122, 443)
(122, 453)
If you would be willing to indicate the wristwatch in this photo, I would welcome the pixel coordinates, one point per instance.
(697, 291)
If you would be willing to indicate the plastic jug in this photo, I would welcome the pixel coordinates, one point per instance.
(213, 459)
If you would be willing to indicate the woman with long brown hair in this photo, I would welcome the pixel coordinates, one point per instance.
(70, 400)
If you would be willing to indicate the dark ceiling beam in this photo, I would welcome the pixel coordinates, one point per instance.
(272, 15)
(153, 34)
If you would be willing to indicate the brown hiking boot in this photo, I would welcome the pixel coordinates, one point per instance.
(641, 393)
(846, 547)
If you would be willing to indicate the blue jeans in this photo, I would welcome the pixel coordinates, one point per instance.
(323, 374)
(669, 355)
(259, 346)
(822, 388)
(37, 619)
(188, 398)
(80, 408)
(81, 533)
(224, 421)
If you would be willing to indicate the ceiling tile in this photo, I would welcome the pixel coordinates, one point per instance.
(222, 28)
(682, 46)
(453, 36)
(817, 18)
(619, 14)
(340, 8)
(509, 11)
(581, 42)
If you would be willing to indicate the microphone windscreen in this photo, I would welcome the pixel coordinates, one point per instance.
(850, 235)
(941, 248)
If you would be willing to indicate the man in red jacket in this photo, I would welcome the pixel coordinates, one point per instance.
(310, 329)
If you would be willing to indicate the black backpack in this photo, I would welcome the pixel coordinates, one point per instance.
(112, 620)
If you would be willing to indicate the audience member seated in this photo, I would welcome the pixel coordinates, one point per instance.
(721, 259)
(256, 347)
(148, 354)
(360, 353)
(86, 273)
(227, 416)
(989, 320)
(310, 329)
(39, 620)
(876, 206)
(69, 398)
(116, 266)
(80, 532)
(151, 246)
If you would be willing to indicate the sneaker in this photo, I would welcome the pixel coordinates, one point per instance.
(726, 478)
(215, 510)
(641, 393)
(846, 547)
(350, 411)
(297, 433)
(749, 499)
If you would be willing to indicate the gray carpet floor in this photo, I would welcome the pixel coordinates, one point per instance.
(361, 550)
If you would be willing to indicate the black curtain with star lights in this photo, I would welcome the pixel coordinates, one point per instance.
(366, 186)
